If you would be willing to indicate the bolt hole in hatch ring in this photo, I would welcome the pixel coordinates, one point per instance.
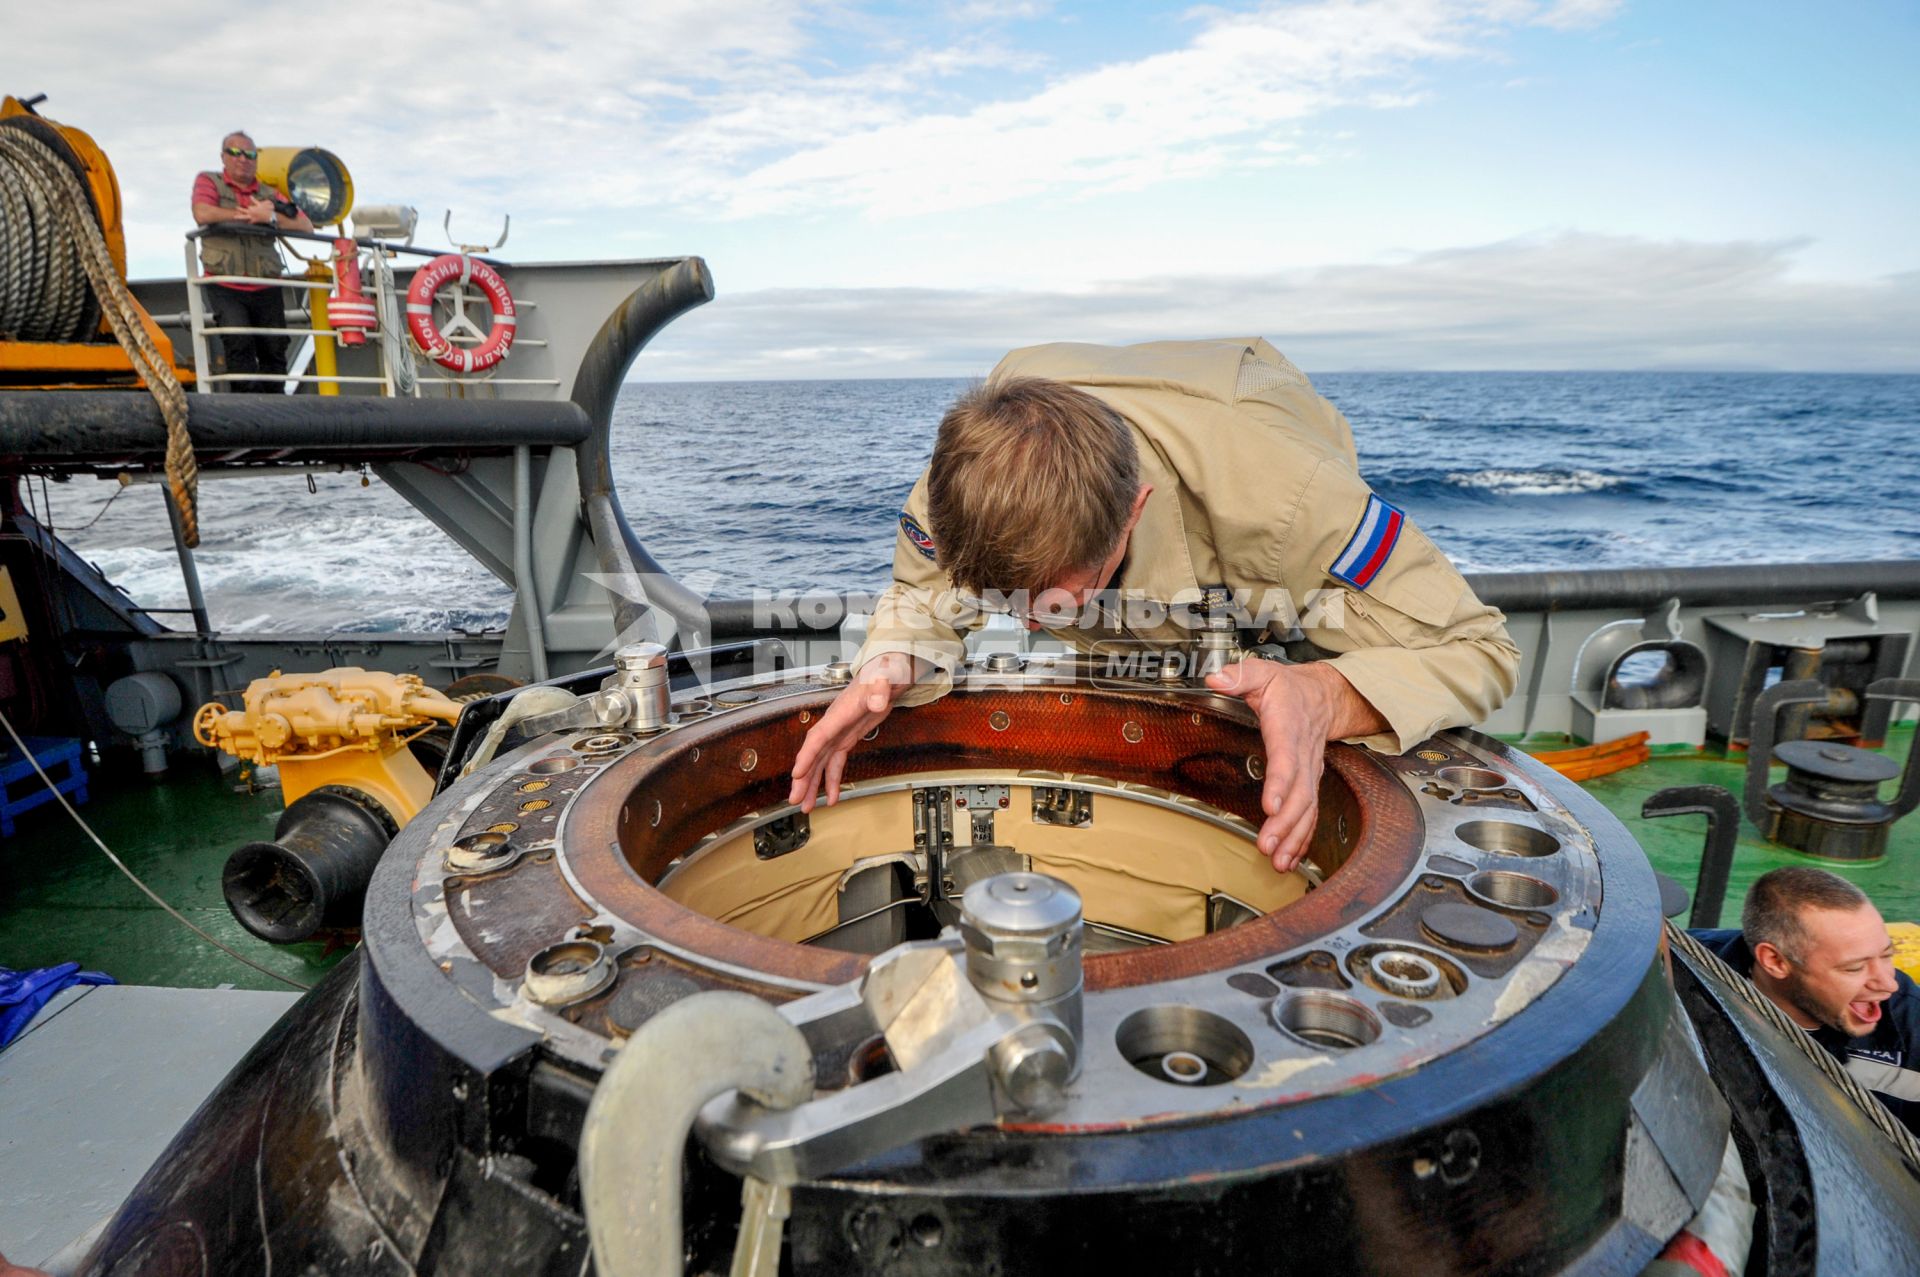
(459, 268)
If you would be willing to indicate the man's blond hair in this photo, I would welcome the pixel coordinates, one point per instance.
(1031, 480)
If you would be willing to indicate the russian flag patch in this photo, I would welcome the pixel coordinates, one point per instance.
(1372, 542)
(918, 535)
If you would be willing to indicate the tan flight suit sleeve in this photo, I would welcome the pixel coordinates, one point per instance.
(1416, 642)
(918, 614)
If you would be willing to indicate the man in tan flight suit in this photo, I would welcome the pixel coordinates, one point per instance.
(1216, 464)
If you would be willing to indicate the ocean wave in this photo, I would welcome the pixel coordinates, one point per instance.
(429, 620)
(316, 577)
(1535, 483)
(712, 482)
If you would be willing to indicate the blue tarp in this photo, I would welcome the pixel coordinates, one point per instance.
(23, 993)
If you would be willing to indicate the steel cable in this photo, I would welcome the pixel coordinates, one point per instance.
(1870, 1105)
(104, 505)
(54, 198)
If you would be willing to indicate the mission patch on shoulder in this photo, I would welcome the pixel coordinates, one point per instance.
(916, 534)
(1360, 562)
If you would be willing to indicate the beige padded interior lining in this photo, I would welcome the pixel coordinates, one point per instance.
(1139, 866)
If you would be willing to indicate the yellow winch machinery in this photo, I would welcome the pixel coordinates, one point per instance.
(345, 726)
(339, 739)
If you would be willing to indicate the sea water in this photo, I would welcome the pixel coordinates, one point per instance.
(797, 486)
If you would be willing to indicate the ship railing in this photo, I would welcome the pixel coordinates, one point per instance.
(200, 318)
(387, 349)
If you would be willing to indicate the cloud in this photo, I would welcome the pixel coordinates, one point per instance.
(1569, 15)
(485, 106)
(1201, 108)
(1556, 301)
(734, 108)
(996, 10)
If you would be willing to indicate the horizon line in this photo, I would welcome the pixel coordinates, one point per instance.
(1340, 372)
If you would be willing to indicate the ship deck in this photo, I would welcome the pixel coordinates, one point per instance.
(62, 901)
(1673, 843)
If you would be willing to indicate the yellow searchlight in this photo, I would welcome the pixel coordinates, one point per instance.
(314, 179)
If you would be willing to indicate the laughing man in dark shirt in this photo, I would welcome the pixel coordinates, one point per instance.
(1815, 945)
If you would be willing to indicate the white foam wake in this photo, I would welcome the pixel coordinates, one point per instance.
(1535, 483)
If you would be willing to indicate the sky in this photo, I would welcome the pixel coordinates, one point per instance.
(904, 190)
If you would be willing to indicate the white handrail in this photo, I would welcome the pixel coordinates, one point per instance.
(198, 317)
(302, 377)
(285, 332)
(490, 381)
(264, 281)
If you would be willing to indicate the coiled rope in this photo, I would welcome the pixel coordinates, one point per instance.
(47, 229)
(1876, 1112)
(43, 288)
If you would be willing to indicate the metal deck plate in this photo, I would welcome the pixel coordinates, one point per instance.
(95, 1089)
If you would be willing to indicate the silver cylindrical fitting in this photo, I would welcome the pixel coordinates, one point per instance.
(571, 971)
(1023, 933)
(1034, 1066)
(635, 657)
(612, 708)
(1216, 646)
(640, 669)
(1404, 973)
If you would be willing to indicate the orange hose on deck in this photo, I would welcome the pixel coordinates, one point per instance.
(1603, 759)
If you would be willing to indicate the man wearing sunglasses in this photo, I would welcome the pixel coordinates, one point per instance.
(236, 196)
(1090, 490)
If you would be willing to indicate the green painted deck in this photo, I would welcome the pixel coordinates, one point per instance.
(61, 901)
(1673, 843)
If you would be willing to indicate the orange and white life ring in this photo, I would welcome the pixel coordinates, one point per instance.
(436, 275)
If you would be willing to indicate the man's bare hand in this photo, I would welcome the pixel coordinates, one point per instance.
(1301, 708)
(260, 212)
(860, 707)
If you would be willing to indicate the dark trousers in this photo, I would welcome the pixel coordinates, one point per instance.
(251, 352)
